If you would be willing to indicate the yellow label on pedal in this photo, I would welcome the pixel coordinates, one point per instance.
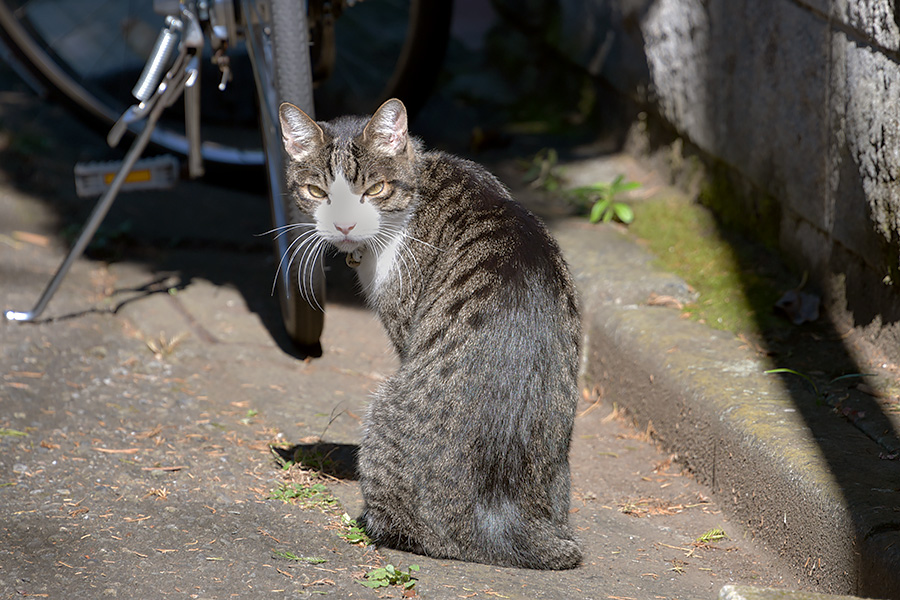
(157, 173)
(133, 177)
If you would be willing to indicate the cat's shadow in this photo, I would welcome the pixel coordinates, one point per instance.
(333, 460)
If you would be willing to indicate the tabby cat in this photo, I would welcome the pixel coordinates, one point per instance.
(465, 449)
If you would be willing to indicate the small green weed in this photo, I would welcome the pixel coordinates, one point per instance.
(602, 198)
(249, 416)
(285, 492)
(307, 496)
(353, 533)
(716, 534)
(301, 488)
(281, 461)
(315, 458)
(12, 432)
(807, 378)
(542, 172)
(390, 575)
(288, 555)
(819, 394)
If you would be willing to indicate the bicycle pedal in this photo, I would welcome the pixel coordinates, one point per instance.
(156, 173)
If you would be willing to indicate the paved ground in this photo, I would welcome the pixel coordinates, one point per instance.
(143, 464)
(137, 421)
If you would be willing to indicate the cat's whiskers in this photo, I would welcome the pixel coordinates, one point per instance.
(306, 275)
(284, 229)
(391, 234)
(405, 247)
(309, 243)
(317, 261)
(401, 248)
(399, 255)
(382, 241)
(402, 236)
(299, 242)
(398, 229)
(312, 252)
(280, 231)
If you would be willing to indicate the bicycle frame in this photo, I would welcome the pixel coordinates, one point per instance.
(188, 25)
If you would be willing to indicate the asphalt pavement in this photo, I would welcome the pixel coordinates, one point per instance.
(137, 420)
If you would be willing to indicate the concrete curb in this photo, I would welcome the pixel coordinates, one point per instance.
(742, 592)
(807, 496)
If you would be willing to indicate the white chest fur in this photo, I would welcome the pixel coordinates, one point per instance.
(378, 264)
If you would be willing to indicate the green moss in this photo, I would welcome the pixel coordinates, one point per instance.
(737, 281)
(740, 206)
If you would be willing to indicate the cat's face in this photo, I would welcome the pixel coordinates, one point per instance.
(352, 175)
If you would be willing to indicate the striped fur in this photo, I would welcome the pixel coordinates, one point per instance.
(465, 450)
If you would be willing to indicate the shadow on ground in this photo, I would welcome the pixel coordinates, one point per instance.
(333, 460)
(182, 235)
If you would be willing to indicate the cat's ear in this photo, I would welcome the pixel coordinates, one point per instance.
(300, 134)
(387, 129)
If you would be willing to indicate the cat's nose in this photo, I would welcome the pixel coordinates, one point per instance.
(345, 228)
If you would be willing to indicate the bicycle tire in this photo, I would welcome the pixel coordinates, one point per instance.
(416, 69)
(419, 64)
(294, 83)
(281, 60)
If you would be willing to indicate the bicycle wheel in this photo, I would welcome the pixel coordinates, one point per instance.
(385, 49)
(278, 45)
(89, 54)
(393, 50)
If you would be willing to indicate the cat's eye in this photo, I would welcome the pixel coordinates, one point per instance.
(376, 189)
(315, 191)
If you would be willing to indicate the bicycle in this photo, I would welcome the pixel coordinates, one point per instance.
(292, 54)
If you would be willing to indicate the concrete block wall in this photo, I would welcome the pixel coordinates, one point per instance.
(799, 98)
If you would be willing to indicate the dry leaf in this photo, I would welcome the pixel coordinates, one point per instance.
(35, 239)
(668, 301)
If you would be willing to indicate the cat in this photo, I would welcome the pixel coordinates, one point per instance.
(465, 449)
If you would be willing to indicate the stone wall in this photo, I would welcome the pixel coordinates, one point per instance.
(800, 99)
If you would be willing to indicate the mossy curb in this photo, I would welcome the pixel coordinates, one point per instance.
(738, 281)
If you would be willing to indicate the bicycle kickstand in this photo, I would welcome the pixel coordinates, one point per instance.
(155, 93)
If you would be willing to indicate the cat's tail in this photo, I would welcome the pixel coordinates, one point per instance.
(543, 549)
(527, 543)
